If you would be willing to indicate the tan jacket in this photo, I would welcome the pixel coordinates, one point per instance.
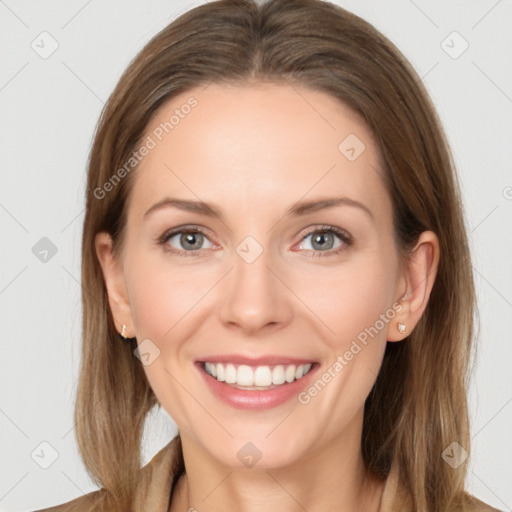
(155, 486)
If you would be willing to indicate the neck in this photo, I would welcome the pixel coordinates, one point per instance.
(331, 479)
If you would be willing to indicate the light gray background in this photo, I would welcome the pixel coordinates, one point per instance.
(49, 108)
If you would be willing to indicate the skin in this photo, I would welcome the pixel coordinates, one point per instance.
(254, 151)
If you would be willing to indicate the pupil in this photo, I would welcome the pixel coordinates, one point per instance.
(189, 239)
(319, 238)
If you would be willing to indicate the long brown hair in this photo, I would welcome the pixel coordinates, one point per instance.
(418, 405)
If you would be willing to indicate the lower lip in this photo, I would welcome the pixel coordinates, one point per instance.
(255, 399)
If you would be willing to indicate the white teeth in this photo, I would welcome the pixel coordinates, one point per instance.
(263, 376)
(220, 372)
(278, 374)
(230, 374)
(245, 376)
(290, 373)
(260, 376)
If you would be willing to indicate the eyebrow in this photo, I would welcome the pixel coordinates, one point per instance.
(296, 210)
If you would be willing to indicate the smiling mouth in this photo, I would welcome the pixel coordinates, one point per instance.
(256, 377)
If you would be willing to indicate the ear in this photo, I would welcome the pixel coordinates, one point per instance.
(415, 285)
(115, 283)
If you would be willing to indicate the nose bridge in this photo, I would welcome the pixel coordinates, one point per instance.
(254, 296)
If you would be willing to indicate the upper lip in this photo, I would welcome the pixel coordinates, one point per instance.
(254, 361)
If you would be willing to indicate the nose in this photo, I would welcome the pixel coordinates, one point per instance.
(255, 297)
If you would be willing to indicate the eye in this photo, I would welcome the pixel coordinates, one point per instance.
(323, 240)
(188, 241)
(184, 240)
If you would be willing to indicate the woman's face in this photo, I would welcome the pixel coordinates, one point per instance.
(272, 279)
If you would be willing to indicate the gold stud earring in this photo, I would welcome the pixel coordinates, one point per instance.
(401, 328)
(122, 335)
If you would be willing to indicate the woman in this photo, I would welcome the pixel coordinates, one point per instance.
(274, 228)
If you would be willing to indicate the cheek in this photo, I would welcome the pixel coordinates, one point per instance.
(162, 301)
(345, 298)
(162, 294)
(154, 308)
(357, 308)
(349, 299)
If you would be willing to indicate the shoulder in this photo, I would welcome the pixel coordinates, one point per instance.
(396, 497)
(154, 484)
(84, 503)
(473, 504)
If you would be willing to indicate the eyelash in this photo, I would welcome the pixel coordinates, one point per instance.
(342, 235)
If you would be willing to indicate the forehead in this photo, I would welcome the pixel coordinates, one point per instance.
(248, 146)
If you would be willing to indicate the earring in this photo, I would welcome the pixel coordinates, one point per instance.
(122, 335)
(401, 328)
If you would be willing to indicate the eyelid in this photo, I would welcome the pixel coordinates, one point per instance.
(171, 233)
(342, 234)
(181, 229)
